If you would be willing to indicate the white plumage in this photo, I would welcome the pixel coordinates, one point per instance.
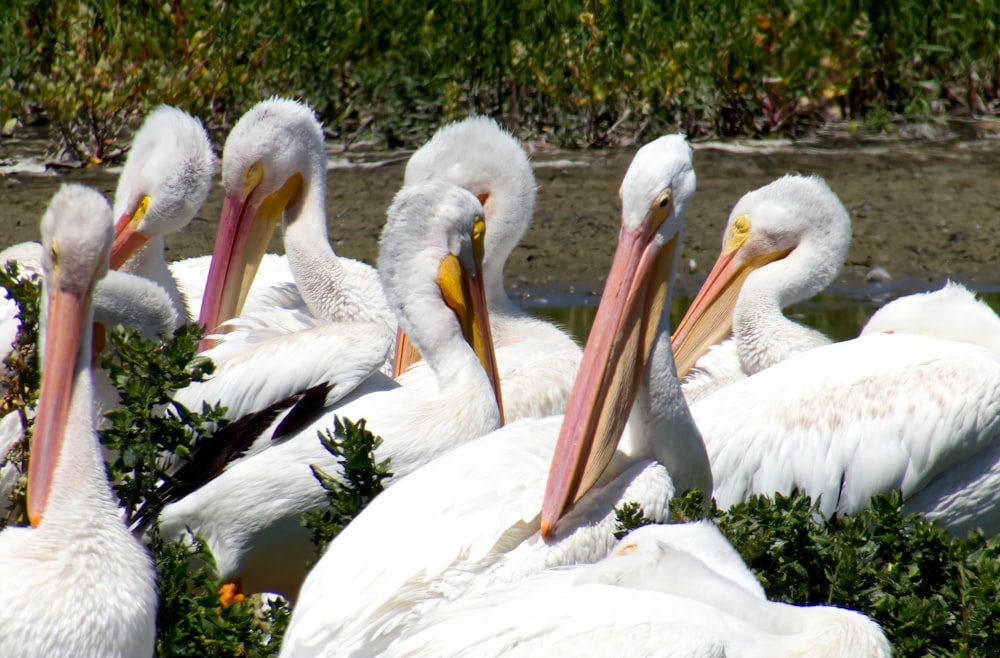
(783, 243)
(78, 583)
(250, 515)
(470, 519)
(951, 313)
(849, 420)
(666, 590)
(536, 360)
(164, 182)
(274, 171)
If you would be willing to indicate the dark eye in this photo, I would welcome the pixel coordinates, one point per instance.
(664, 201)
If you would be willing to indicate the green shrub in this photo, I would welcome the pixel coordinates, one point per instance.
(590, 72)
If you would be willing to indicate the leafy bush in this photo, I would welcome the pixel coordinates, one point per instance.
(588, 72)
(149, 425)
(192, 621)
(354, 447)
(19, 381)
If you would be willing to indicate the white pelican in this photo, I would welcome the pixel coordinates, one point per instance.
(118, 299)
(852, 419)
(470, 519)
(666, 590)
(274, 170)
(783, 243)
(78, 583)
(164, 182)
(537, 361)
(250, 514)
(951, 313)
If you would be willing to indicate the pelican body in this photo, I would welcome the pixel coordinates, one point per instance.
(470, 520)
(250, 514)
(77, 582)
(853, 419)
(666, 590)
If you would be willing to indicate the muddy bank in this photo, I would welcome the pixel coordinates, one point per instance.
(920, 212)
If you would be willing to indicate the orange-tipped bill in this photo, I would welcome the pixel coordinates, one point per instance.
(245, 230)
(709, 319)
(128, 239)
(406, 354)
(67, 314)
(613, 361)
(464, 293)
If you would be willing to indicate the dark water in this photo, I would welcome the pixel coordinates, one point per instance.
(840, 313)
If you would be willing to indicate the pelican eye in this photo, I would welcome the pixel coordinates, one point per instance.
(478, 238)
(740, 232)
(627, 549)
(141, 209)
(661, 208)
(253, 177)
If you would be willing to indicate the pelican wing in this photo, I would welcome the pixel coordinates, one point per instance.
(340, 355)
(853, 419)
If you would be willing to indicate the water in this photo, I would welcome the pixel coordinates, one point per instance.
(839, 314)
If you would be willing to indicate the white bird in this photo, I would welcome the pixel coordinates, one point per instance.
(470, 519)
(849, 420)
(164, 182)
(666, 590)
(274, 170)
(783, 243)
(250, 514)
(951, 313)
(118, 299)
(537, 361)
(77, 583)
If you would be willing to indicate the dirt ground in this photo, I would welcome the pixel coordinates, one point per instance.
(921, 211)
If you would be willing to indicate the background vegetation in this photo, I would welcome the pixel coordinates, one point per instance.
(590, 72)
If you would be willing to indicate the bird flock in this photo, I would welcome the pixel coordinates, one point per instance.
(510, 446)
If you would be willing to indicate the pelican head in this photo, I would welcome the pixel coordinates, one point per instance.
(478, 155)
(432, 248)
(274, 156)
(655, 193)
(797, 228)
(76, 242)
(165, 180)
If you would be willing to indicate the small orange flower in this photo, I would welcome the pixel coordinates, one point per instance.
(229, 594)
